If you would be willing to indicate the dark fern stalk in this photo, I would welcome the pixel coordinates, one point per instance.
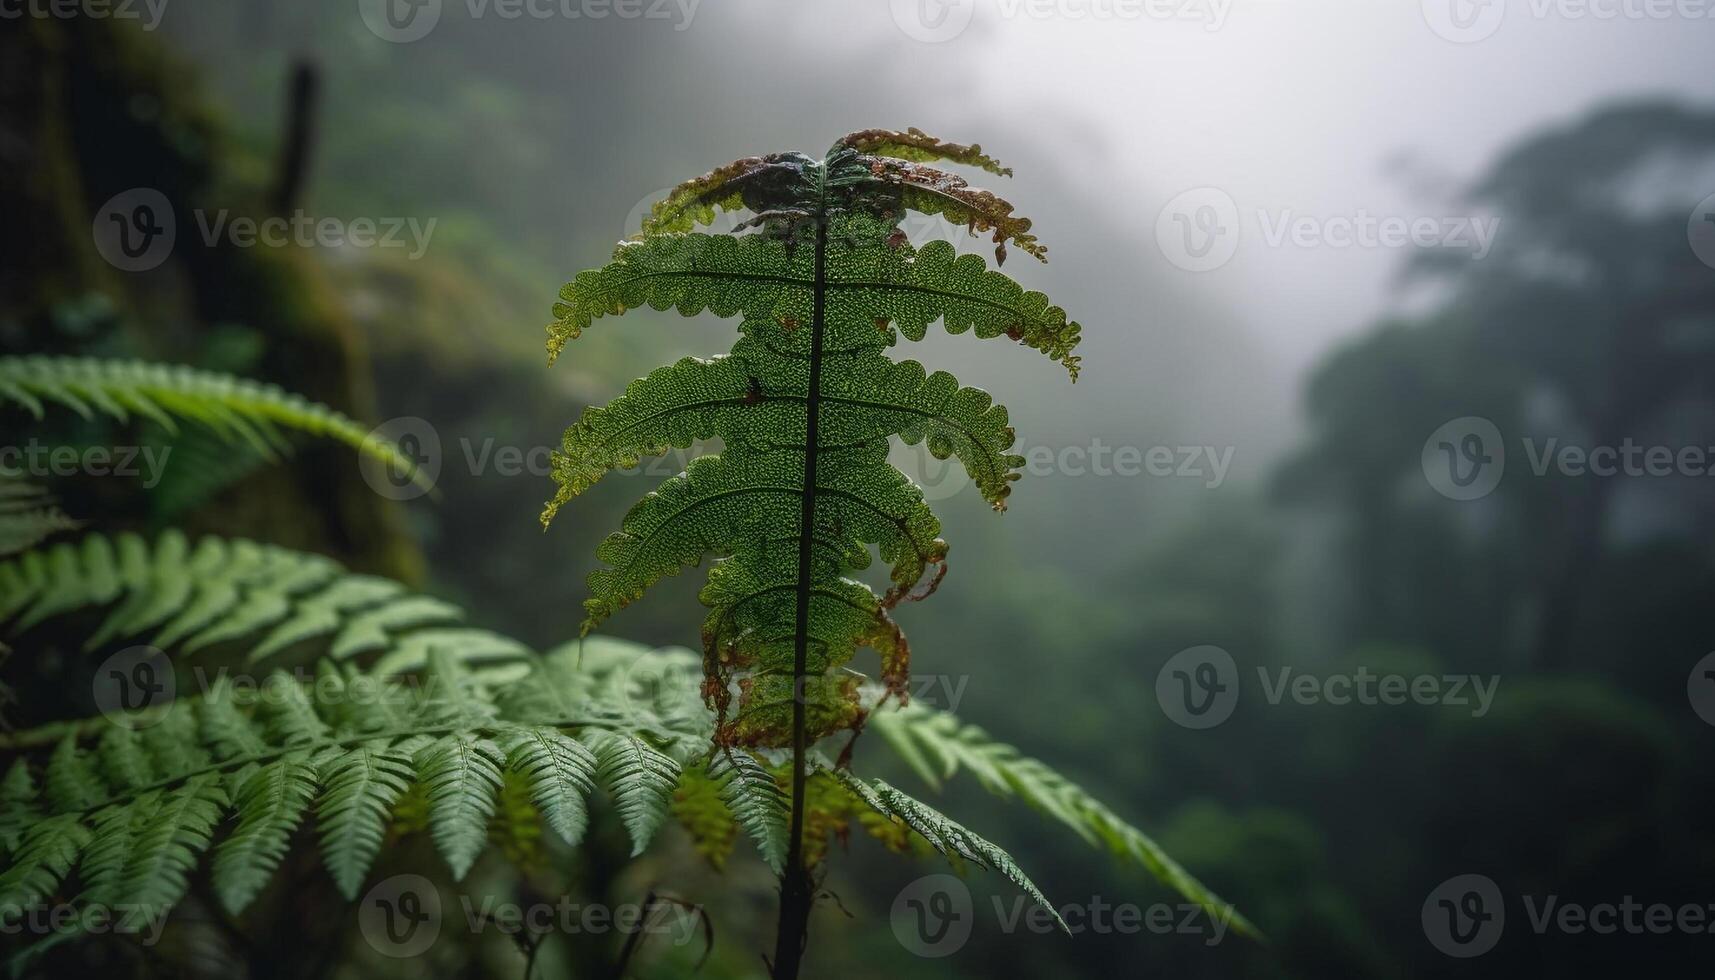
(795, 887)
(806, 415)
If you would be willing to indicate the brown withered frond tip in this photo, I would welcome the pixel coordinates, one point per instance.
(918, 146)
(871, 170)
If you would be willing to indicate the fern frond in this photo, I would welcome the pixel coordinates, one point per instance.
(756, 800)
(28, 516)
(167, 844)
(944, 834)
(359, 787)
(806, 404)
(270, 802)
(874, 172)
(185, 598)
(46, 854)
(247, 412)
(132, 814)
(640, 779)
(561, 774)
(938, 746)
(462, 773)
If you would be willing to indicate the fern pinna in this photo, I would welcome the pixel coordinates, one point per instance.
(824, 281)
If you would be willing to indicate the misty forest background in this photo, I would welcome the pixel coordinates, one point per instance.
(1324, 549)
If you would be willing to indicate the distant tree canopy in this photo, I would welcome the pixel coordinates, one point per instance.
(1589, 323)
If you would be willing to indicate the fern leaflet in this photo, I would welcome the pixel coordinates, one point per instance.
(234, 409)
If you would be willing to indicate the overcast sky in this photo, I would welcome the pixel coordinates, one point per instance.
(1296, 109)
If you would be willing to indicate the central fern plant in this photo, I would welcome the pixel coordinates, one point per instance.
(480, 736)
(823, 283)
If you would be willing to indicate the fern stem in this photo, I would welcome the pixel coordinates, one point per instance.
(793, 931)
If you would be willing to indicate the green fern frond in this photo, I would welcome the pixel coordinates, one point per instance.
(46, 854)
(462, 773)
(251, 413)
(756, 800)
(560, 773)
(272, 800)
(946, 835)
(203, 465)
(28, 516)
(133, 812)
(806, 404)
(938, 746)
(184, 597)
(639, 777)
(360, 785)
